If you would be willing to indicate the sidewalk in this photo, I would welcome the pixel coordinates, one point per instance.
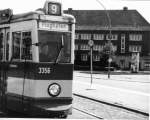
(127, 76)
(118, 72)
(125, 98)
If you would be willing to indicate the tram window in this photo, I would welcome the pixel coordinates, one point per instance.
(1, 46)
(7, 46)
(16, 44)
(26, 46)
(55, 47)
(22, 45)
(66, 54)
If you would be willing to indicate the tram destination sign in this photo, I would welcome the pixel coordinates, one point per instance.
(53, 26)
(53, 8)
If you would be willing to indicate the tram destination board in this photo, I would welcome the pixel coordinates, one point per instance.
(54, 26)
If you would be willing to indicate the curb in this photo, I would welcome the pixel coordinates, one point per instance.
(117, 73)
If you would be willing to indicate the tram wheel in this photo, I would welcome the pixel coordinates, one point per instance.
(57, 116)
(62, 116)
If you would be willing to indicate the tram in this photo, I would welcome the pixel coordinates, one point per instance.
(36, 61)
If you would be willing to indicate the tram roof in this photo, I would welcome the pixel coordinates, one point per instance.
(36, 15)
(40, 15)
(24, 16)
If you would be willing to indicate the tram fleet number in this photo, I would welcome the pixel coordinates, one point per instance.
(44, 70)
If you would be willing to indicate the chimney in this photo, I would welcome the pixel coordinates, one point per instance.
(125, 8)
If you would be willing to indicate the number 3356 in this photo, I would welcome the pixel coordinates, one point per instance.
(43, 70)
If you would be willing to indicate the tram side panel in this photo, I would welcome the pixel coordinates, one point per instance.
(26, 86)
(33, 80)
(16, 81)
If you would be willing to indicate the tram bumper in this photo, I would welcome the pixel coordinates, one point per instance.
(51, 111)
(51, 108)
(55, 108)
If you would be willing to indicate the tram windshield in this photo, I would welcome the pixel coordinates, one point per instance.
(54, 47)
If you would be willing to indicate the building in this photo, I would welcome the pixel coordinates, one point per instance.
(130, 33)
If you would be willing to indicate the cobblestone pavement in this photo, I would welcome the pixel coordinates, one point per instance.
(106, 111)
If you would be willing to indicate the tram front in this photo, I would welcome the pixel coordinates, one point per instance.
(54, 71)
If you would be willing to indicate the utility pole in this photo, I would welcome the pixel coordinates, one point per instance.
(109, 56)
(91, 43)
(91, 55)
(110, 34)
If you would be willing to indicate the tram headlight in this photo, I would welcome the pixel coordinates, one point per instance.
(54, 89)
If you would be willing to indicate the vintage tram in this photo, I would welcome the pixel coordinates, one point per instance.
(36, 61)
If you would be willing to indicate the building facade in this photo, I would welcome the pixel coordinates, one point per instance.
(130, 33)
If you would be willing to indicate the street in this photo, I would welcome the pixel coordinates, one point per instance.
(131, 91)
(138, 83)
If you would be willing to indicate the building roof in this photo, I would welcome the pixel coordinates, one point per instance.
(120, 19)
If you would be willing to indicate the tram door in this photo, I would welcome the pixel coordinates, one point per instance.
(4, 53)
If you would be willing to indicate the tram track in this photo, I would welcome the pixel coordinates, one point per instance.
(110, 104)
(106, 110)
(85, 112)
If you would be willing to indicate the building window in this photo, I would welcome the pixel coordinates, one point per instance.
(147, 65)
(98, 47)
(84, 57)
(135, 48)
(96, 58)
(114, 48)
(98, 36)
(84, 47)
(85, 36)
(123, 43)
(135, 37)
(113, 37)
(76, 36)
(76, 47)
(122, 50)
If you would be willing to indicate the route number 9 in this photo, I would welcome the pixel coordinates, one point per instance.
(54, 9)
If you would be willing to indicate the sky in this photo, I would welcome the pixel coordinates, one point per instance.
(22, 6)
